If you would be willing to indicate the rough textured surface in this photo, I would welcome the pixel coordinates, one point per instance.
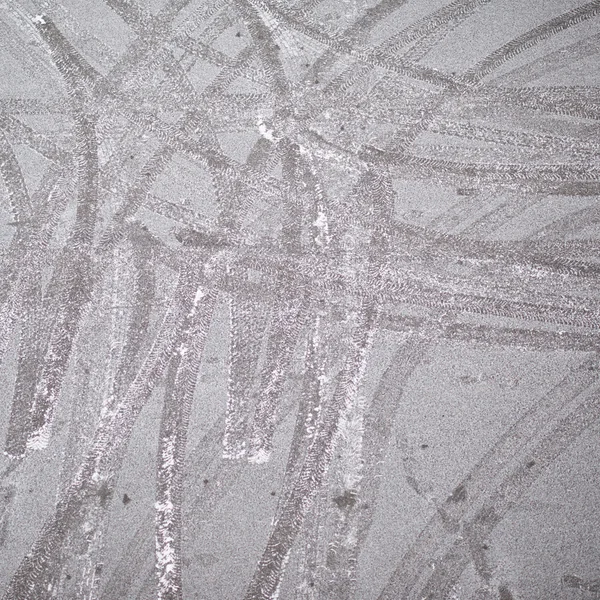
(299, 299)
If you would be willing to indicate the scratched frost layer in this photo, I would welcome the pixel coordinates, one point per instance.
(299, 299)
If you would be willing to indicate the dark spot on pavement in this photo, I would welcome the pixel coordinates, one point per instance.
(346, 500)
(459, 494)
(504, 593)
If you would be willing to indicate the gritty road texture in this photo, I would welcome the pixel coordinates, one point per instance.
(299, 299)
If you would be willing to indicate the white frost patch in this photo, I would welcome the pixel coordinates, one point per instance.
(166, 555)
(166, 506)
(324, 379)
(168, 453)
(233, 452)
(165, 561)
(352, 538)
(200, 293)
(322, 225)
(87, 527)
(260, 457)
(264, 131)
(39, 439)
